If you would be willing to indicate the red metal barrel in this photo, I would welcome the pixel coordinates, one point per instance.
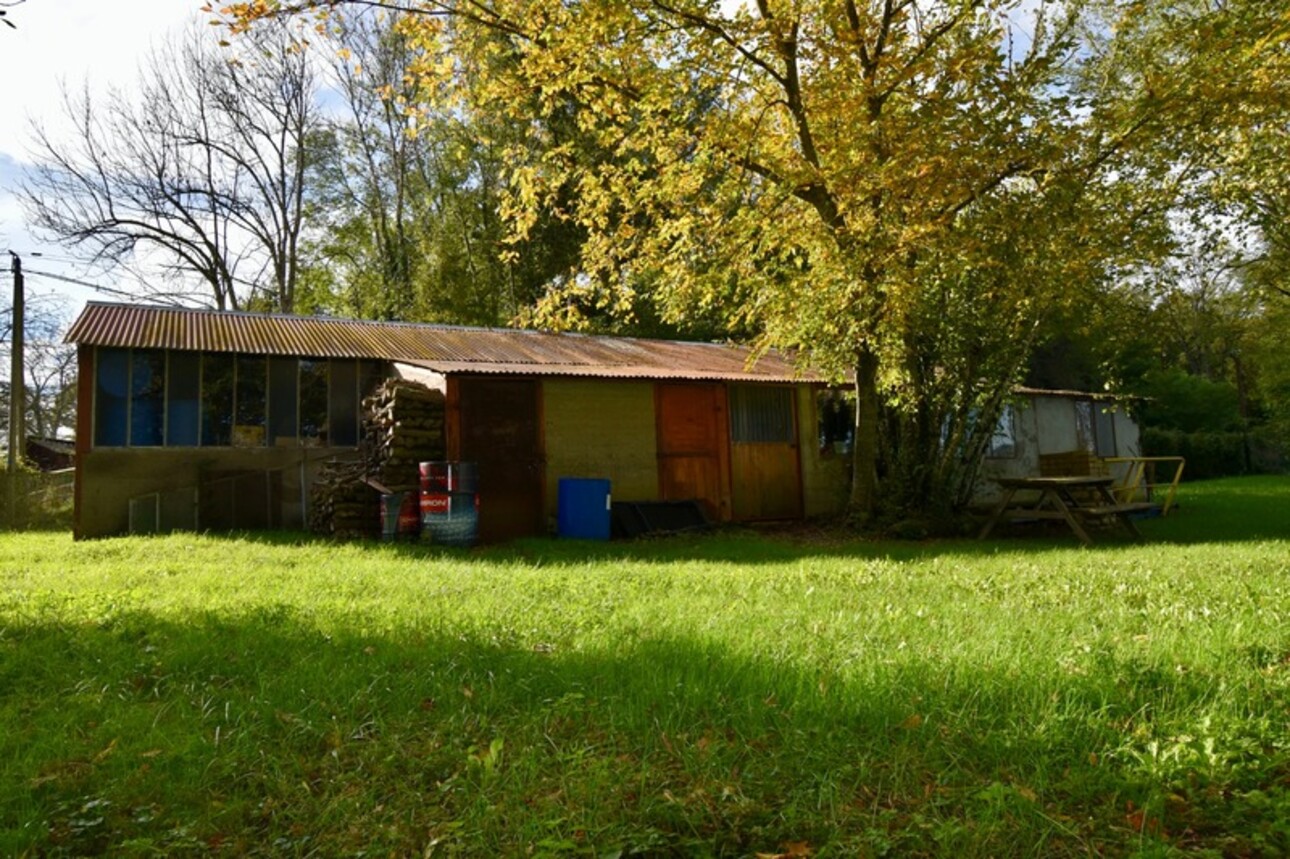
(450, 502)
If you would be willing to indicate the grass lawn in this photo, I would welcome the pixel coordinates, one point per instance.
(735, 694)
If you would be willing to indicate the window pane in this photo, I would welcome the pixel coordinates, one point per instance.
(217, 400)
(1003, 443)
(313, 402)
(342, 410)
(1105, 430)
(282, 400)
(1084, 438)
(248, 429)
(183, 384)
(761, 414)
(837, 421)
(147, 397)
(111, 384)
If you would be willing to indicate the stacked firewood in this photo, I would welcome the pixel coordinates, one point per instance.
(342, 503)
(402, 427)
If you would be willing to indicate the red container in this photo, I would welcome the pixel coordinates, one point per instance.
(450, 518)
(450, 503)
(399, 519)
(449, 477)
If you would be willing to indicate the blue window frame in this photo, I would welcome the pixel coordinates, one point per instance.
(154, 397)
(147, 398)
(111, 397)
(183, 399)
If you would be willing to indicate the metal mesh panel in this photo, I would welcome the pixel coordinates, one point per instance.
(761, 414)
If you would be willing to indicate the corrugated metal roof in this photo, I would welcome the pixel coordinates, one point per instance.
(442, 348)
(1101, 396)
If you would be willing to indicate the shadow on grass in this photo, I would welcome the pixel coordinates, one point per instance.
(1236, 510)
(1220, 511)
(262, 734)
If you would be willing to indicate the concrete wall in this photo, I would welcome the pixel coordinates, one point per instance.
(605, 429)
(826, 475)
(111, 477)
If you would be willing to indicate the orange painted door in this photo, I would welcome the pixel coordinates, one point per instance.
(500, 424)
(692, 453)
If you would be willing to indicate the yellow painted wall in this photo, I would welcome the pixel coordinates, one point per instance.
(826, 477)
(598, 428)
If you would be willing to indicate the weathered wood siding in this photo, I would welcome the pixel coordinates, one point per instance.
(605, 429)
(694, 445)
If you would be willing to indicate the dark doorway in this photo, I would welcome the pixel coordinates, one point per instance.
(501, 430)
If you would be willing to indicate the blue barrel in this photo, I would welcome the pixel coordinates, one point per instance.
(584, 508)
(450, 503)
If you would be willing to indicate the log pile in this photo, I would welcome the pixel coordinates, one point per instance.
(342, 503)
(402, 427)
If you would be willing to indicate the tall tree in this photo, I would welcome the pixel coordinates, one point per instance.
(49, 368)
(196, 174)
(820, 168)
(406, 219)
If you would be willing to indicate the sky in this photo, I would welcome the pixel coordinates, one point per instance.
(56, 42)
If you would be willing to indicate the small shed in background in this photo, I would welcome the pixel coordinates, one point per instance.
(51, 454)
(1056, 432)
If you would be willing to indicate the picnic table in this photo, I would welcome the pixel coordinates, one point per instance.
(1078, 501)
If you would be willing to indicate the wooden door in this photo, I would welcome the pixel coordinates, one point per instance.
(498, 425)
(765, 467)
(692, 454)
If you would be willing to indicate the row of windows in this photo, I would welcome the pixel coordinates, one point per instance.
(1094, 431)
(155, 397)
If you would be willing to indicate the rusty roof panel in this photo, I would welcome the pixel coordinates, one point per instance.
(1100, 396)
(443, 348)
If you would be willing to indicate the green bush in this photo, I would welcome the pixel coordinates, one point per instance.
(1180, 401)
(1217, 454)
(43, 502)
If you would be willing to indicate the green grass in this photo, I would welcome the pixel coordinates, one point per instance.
(732, 694)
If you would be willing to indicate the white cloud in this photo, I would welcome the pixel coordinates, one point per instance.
(72, 41)
(57, 42)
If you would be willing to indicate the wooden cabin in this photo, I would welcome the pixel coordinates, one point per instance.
(212, 420)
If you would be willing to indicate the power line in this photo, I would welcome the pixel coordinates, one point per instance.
(107, 290)
(94, 286)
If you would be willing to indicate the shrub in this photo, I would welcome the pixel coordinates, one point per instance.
(1180, 401)
(43, 500)
(1218, 454)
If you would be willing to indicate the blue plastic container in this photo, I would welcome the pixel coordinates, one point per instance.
(584, 508)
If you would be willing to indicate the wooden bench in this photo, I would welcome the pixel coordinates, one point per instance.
(1076, 500)
(1126, 509)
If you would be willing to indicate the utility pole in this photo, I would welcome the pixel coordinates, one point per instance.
(17, 384)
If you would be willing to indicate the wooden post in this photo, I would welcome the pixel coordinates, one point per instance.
(17, 385)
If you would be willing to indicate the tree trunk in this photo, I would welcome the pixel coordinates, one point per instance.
(864, 471)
